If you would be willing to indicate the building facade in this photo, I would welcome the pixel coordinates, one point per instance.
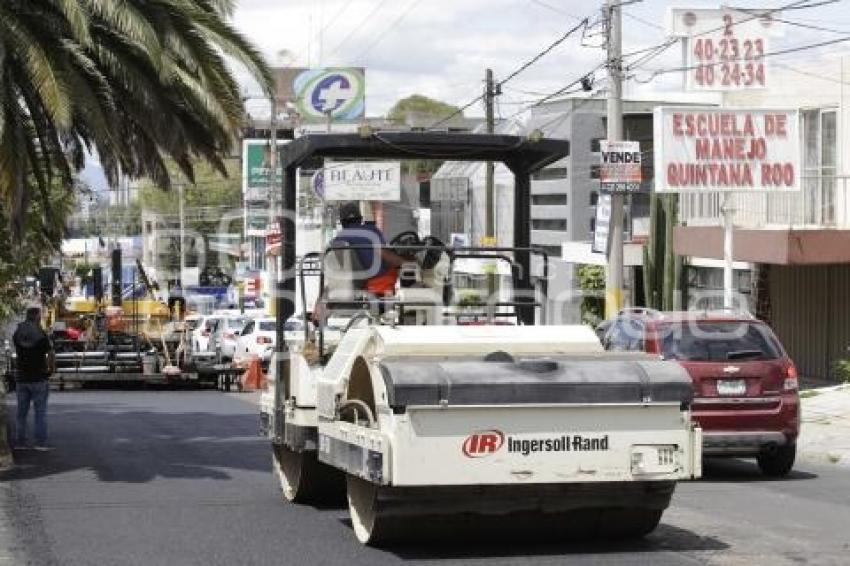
(792, 250)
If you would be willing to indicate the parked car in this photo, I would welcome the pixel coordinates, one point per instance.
(257, 338)
(226, 334)
(204, 331)
(746, 396)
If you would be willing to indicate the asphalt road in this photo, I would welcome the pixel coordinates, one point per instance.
(181, 478)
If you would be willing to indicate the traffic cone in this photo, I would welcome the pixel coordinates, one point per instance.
(254, 379)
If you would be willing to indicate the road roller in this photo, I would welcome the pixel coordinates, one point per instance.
(436, 416)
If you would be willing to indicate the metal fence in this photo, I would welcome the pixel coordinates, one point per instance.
(822, 202)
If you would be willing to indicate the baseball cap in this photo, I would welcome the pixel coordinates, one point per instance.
(349, 211)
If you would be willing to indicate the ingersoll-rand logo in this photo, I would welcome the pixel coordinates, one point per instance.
(486, 442)
(483, 443)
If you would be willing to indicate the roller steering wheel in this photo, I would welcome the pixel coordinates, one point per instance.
(432, 256)
(406, 240)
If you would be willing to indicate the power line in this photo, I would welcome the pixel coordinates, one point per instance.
(770, 54)
(796, 5)
(643, 21)
(554, 9)
(357, 28)
(383, 35)
(335, 17)
(517, 71)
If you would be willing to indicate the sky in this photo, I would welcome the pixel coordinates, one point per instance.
(441, 48)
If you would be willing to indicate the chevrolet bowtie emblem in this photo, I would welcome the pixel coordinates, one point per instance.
(731, 369)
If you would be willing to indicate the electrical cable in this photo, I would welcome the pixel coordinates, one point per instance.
(554, 9)
(383, 35)
(517, 71)
(356, 28)
(796, 5)
(797, 49)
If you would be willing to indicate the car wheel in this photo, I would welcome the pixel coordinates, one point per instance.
(777, 463)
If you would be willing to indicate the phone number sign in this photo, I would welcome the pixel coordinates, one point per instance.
(620, 168)
(725, 49)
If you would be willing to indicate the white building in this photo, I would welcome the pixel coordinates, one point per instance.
(792, 250)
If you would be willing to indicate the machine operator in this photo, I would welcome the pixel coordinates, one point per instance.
(379, 264)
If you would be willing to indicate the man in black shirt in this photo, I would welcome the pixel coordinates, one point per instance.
(33, 349)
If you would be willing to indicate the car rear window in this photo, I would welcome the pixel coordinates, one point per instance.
(266, 326)
(238, 323)
(709, 341)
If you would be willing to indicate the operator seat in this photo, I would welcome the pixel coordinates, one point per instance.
(345, 285)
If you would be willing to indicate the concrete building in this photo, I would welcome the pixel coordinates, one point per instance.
(565, 194)
(792, 250)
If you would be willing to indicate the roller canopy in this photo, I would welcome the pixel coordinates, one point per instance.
(520, 154)
(414, 381)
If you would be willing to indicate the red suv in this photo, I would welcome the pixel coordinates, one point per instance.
(745, 386)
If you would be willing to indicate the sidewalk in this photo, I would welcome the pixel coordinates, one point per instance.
(825, 431)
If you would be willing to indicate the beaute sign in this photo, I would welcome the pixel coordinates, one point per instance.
(718, 150)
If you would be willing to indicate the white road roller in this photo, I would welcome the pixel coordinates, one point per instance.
(429, 423)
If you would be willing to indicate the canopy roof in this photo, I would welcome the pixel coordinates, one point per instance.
(522, 155)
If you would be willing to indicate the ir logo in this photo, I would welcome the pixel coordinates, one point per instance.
(483, 443)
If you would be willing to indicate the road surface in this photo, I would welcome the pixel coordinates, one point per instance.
(182, 478)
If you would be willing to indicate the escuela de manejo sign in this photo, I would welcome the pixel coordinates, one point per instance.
(719, 149)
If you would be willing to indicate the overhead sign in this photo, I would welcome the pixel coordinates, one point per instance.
(314, 95)
(362, 180)
(620, 170)
(725, 48)
(257, 182)
(602, 225)
(715, 149)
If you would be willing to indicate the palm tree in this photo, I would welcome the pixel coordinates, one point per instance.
(136, 81)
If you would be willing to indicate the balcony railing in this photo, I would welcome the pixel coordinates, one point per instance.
(822, 202)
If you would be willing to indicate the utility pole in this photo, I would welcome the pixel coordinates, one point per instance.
(614, 271)
(182, 236)
(489, 200)
(272, 266)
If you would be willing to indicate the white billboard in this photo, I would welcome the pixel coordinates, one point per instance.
(620, 170)
(708, 149)
(362, 180)
(602, 225)
(725, 48)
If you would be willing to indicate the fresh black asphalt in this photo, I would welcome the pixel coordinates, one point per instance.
(172, 478)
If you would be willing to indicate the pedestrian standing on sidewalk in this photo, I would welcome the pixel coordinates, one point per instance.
(34, 358)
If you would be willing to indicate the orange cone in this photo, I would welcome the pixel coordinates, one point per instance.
(254, 379)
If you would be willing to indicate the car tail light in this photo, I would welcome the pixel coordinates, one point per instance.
(264, 340)
(791, 383)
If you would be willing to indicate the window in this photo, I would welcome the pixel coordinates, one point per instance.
(267, 326)
(595, 146)
(625, 335)
(819, 166)
(249, 328)
(559, 224)
(594, 197)
(549, 200)
(718, 342)
(595, 170)
(550, 174)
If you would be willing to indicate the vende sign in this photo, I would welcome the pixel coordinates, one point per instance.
(718, 149)
(620, 168)
(366, 180)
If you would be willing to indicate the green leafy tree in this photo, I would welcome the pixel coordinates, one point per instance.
(136, 80)
(417, 109)
(42, 236)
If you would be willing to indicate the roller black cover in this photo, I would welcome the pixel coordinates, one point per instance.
(602, 379)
